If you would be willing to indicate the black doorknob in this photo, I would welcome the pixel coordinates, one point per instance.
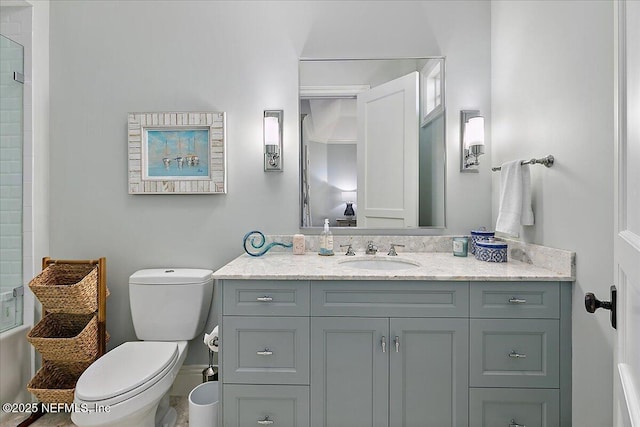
(591, 304)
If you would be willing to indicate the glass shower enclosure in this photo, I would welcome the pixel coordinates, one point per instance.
(11, 180)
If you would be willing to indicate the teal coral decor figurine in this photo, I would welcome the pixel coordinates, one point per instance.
(257, 241)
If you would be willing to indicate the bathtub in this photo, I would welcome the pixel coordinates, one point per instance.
(16, 355)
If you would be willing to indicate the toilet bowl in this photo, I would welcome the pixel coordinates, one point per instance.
(124, 387)
(129, 386)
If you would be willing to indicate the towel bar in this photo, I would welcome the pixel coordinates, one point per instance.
(547, 161)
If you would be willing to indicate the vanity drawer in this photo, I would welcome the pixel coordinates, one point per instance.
(519, 300)
(514, 353)
(390, 298)
(514, 407)
(265, 350)
(265, 297)
(256, 405)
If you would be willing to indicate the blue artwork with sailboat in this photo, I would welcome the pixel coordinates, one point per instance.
(178, 153)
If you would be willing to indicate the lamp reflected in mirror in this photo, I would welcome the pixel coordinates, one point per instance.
(348, 197)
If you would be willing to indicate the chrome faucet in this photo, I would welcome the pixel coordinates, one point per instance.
(371, 248)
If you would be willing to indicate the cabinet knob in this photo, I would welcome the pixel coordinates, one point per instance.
(265, 422)
(591, 304)
(397, 343)
(265, 298)
(383, 342)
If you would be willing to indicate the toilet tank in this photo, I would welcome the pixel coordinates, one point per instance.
(170, 304)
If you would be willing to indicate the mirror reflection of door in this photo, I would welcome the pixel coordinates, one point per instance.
(388, 154)
(390, 176)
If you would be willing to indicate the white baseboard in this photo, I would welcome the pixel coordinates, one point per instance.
(189, 376)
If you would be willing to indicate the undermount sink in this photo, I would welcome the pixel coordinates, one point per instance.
(376, 263)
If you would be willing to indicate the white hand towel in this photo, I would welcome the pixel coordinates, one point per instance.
(515, 198)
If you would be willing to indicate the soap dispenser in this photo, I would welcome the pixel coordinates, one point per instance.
(326, 240)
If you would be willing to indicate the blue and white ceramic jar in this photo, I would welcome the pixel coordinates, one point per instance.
(491, 251)
(476, 235)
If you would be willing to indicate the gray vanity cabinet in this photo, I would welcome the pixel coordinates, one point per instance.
(398, 353)
(264, 357)
(520, 354)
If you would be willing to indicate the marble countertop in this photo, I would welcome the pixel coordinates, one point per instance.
(431, 266)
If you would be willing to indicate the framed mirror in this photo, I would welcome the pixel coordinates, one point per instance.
(372, 142)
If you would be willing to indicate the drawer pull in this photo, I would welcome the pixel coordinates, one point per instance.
(515, 355)
(514, 300)
(267, 422)
(265, 298)
(383, 341)
(513, 423)
(265, 352)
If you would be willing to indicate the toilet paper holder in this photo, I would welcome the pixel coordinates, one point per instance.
(210, 373)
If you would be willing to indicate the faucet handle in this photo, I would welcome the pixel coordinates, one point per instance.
(392, 249)
(350, 251)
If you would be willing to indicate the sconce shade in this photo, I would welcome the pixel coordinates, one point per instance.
(474, 132)
(272, 134)
(271, 131)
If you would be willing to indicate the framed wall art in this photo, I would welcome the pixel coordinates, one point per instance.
(177, 153)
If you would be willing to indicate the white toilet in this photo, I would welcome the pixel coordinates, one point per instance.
(129, 386)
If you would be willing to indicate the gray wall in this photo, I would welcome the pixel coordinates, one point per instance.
(553, 94)
(112, 57)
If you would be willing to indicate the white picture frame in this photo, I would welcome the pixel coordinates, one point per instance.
(177, 153)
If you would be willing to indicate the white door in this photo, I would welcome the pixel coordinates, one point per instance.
(388, 154)
(627, 217)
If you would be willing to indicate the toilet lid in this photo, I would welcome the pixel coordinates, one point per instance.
(125, 368)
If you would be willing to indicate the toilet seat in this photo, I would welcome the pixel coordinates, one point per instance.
(126, 371)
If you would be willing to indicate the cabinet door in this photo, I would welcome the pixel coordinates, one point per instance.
(265, 297)
(349, 372)
(265, 350)
(519, 300)
(515, 353)
(265, 405)
(504, 407)
(428, 375)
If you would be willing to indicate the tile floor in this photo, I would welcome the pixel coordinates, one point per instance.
(64, 420)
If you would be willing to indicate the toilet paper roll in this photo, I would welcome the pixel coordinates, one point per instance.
(211, 339)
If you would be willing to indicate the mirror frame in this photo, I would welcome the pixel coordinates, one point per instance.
(424, 230)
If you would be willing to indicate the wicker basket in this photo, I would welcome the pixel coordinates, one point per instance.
(68, 288)
(56, 382)
(69, 337)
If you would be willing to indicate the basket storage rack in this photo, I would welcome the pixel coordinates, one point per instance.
(72, 332)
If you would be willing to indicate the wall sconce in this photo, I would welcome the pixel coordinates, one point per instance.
(471, 139)
(272, 140)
